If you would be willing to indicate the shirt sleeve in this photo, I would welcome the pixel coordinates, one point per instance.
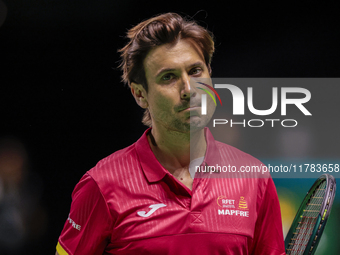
(88, 227)
(268, 236)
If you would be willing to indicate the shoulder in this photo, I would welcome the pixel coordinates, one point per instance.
(114, 163)
(115, 171)
(116, 157)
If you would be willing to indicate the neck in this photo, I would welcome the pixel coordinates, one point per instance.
(175, 150)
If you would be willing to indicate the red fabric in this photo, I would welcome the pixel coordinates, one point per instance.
(90, 212)
(219, 216)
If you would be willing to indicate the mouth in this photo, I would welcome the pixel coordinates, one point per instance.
(189, 108)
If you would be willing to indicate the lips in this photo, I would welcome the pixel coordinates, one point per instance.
(189, 107)
(192, 104)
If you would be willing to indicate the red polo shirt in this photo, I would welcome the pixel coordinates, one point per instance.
(129, 204)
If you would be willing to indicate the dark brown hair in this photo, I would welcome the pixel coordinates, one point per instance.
(162, 29)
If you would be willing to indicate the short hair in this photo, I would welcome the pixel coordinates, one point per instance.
(159, 30)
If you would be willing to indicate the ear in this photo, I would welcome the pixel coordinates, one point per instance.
(139, 94)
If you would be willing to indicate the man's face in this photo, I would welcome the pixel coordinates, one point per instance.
(173, 100)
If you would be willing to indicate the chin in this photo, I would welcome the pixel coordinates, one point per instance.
(192, 123)
(197, 123)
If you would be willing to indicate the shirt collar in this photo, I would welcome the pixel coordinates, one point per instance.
(154, 171)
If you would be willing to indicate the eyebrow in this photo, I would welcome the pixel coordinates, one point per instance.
(164, 70)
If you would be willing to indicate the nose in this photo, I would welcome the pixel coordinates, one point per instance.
(186, 90)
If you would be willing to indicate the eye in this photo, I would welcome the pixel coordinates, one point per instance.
(195, 71)
(168, 77)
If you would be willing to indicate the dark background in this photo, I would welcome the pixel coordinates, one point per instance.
(60, 88)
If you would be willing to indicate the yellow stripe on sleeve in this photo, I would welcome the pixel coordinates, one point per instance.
(61, 250)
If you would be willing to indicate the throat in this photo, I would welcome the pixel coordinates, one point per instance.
(184, 177)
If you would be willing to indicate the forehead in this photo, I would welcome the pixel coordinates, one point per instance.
(173, 56)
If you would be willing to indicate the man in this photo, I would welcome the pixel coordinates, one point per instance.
(143, 199)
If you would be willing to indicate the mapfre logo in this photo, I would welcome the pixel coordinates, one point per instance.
(241, 209)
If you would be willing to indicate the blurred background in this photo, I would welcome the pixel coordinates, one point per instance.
(63, 106)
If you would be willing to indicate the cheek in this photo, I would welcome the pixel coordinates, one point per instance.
(211, 104)
(163, 104)
(160, 105)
